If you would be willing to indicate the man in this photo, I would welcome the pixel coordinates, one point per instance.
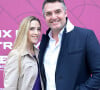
(69, 55)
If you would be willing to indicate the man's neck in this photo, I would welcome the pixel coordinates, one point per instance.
(55, 35)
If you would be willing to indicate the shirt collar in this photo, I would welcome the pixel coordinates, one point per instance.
(69, 27)
(26, 52)
(59, 35)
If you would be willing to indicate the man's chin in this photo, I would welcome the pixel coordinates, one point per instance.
(57, 28)
(54, 28)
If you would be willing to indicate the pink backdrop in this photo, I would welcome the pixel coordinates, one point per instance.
(82, 13)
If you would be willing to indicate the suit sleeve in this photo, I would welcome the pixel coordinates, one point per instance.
(93, 59)
(11, 73)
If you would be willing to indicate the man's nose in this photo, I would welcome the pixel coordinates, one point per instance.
(54, 16)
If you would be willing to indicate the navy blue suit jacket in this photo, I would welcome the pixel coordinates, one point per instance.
(79, 57)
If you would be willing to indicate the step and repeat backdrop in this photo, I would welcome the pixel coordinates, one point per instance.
(82, 13)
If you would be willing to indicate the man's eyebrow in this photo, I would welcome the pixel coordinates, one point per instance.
(58, 9)
(47, 11)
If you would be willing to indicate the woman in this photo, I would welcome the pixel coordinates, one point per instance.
(21, 70)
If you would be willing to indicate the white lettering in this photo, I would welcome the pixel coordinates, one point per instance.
(7, 33)
(4, 33)
(16, 32)
(3, 59)
(0, 42)
(6, 45)
(0, 33)
(1, 89)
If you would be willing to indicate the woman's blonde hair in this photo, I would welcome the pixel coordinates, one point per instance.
(20, 44)
(21, 39)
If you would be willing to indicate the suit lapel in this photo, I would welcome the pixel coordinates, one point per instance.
(43, 45)
(64, 46)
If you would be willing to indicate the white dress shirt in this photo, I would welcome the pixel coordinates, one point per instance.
(51, 56)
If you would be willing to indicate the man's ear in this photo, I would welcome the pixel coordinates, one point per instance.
(44, 16)
(66, 13)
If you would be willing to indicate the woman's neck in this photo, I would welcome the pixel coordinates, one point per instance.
(30, 49)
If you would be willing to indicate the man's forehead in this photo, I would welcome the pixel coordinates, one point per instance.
(53, 6)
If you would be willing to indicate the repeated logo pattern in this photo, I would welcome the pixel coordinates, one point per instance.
(82, 13)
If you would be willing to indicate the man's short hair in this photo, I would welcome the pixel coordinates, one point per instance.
(51, 1)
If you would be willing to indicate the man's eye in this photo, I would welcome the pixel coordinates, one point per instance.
(48, 14)
(57, 11)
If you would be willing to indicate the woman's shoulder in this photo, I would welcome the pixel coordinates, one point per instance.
(12, 56)
(13, 53)
(12, 61)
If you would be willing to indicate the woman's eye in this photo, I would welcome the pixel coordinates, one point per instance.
(39, 29)
(32, 28)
